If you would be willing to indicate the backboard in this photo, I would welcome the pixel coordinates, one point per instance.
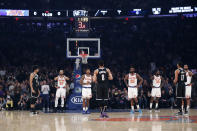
(77, 46)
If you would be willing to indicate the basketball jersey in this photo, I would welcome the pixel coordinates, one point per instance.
(181, 76)
(102, 76)
(61, 82)
(157, 81)
(132, 80)
(86, 80)
(189, 78)
(35, 81)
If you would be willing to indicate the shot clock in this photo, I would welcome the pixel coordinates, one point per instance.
(82, 24)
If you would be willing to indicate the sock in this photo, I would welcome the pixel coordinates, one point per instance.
(182, 107)
(187, 108)
(151, 105)
(138, 107)
(132, 107)
(56, 102)
(84, 109)
(156, 106)
(62, 102)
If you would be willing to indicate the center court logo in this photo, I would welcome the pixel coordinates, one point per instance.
(77, 100)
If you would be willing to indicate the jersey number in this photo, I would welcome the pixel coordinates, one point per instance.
(182, 77)
(132, 80)
(158, 80)
(103, 77)
(61, 82)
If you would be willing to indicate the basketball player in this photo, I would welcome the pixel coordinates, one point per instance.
(86, 81)
(131, 81)
(102, 76)
(179, 80)
(61, 89)
(188, 88)
(34, 85)
(157, 84)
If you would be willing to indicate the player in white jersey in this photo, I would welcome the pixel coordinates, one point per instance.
(86, 81)
(188, 87)
(131, 81)
(61, 89)
(157, 84)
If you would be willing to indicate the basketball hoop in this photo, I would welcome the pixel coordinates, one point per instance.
(84, 58)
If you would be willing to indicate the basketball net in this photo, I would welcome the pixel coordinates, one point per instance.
(84, 58)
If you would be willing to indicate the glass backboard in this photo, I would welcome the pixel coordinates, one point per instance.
(89, 46)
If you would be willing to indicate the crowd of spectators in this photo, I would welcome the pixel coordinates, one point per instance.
(149, 44)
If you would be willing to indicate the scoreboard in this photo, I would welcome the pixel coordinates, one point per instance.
(82, 16)
(82, 24)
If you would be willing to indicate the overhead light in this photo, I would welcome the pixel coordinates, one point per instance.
(59, 13)
(156, 11)
(35, 13)
(119, 11)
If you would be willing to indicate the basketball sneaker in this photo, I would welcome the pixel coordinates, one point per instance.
(132, 112)
(84, 112)
(140, 111)
(35, 112)
(88, 112)
(105, 115)
(179, 113)
(157, 109)
(186, 112)
(101, 116)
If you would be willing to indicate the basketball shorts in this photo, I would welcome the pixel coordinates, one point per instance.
(156, 92)
(86, 92)
(188, 91)
(132, 92)
(36, 94)
(102, 92)
(61, 92)
(180, 91)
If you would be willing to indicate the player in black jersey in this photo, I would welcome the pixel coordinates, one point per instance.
(179, 80)
(34, 85)
(101, 76)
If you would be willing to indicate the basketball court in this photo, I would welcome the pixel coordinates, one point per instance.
(118, 121)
